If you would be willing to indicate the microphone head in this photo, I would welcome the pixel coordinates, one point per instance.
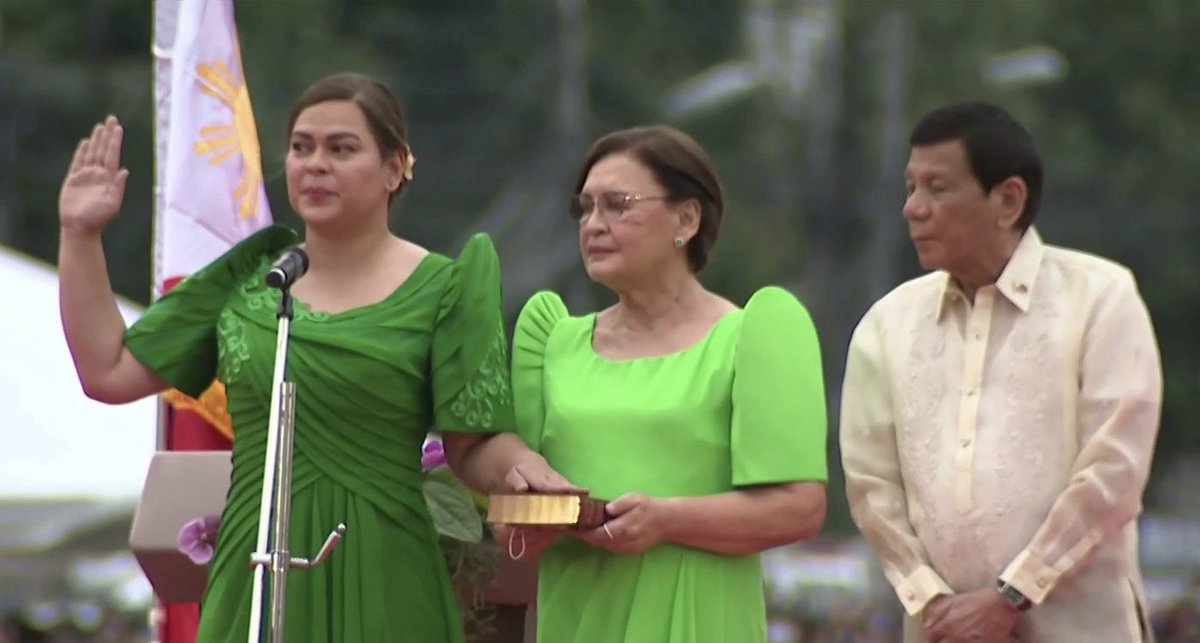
(290, 266)
(276, 278)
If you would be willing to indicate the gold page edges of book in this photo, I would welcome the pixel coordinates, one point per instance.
(546, 509)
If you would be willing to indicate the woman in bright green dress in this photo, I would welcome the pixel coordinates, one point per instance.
(703, 423)
(388, 341)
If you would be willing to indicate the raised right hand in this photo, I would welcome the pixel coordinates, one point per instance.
(94, 187)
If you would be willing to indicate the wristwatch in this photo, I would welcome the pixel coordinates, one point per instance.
(1013, 596)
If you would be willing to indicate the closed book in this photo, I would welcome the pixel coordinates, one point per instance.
(575, 510)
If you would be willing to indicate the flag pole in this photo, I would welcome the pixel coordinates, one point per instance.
(161, 43)
(157, 616)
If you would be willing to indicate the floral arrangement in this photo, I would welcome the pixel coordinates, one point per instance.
(198, 538)
(457, 512)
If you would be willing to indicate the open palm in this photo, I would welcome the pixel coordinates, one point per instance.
(94, 187)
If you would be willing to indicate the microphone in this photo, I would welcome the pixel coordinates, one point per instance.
(290, 266)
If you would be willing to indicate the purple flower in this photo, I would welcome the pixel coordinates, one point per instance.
(433, 455)
(198, 537)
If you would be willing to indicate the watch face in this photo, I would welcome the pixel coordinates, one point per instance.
(1014, 597)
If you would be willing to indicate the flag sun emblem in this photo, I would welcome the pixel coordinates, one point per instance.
(221, 142)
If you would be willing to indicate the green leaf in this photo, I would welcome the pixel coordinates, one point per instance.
(452, 506)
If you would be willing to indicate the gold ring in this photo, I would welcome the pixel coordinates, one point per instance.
(606, 530)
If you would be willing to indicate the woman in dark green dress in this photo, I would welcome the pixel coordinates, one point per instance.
(389, 340)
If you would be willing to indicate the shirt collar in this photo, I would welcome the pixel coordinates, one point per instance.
(1015, 282)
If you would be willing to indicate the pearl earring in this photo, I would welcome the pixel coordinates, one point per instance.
(678, 242)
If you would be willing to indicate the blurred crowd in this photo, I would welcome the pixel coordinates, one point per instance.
(112, 628)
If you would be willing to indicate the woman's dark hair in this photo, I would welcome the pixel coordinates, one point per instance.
(681, 166)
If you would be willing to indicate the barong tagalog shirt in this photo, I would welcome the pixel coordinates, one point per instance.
(1008, 438)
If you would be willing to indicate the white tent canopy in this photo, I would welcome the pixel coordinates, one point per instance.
(54, 441)
(71, 469)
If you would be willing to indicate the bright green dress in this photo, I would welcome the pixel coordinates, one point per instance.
(744, 406)
(370, 382)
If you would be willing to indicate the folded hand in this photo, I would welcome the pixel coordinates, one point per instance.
(637, 522)
(980, 616)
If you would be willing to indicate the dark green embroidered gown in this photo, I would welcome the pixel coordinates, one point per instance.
(370, 382)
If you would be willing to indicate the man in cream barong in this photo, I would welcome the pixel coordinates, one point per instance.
(999, 413)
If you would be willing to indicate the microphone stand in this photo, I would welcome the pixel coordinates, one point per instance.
(274, 520)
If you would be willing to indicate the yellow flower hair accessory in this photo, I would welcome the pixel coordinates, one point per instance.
(410, 160)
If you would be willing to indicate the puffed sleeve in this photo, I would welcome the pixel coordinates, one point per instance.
(538, 318)
(176, 337)
(779, 421)
(471, 391)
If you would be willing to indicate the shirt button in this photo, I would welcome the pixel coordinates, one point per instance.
(970, 392)
(979, 336)
(966, 442)
(1041, 582)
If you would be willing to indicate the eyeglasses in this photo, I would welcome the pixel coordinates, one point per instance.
(611, 205)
